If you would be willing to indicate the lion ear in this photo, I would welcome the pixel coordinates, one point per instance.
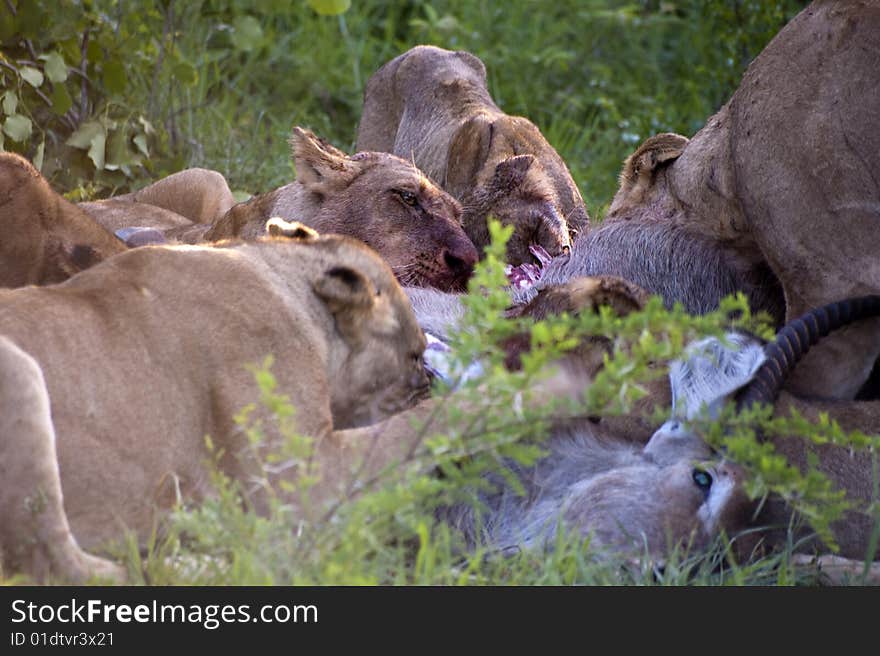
(639, 169)
(510, 173)
(320, 167)
(278, 227)
(467, 154)
(350, 297)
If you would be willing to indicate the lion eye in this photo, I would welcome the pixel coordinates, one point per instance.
(702, 479)
(408, 197)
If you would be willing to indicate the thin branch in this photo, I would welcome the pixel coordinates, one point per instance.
(30, 47)
(80, 73)
(45, 98)
(83, 65)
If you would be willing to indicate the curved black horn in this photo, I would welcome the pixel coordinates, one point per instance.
(795, 339)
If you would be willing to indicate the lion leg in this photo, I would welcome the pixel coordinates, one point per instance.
(806, 154)
(35, 536)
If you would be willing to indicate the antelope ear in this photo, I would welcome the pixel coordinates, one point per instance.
(640, 168)
(278, 227)
(350, 297)
(320, 167)
(467, 154)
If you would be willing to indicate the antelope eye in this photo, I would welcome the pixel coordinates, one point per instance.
(408, 197)
(702, 479)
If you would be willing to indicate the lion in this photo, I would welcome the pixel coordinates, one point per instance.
(432, 106)
(193, 195)
(380, 199)
(141, 364)
(46, 239)
(784, 178)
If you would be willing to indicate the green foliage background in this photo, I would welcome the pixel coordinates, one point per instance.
(135, 89)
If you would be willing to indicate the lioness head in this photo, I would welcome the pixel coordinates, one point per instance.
(502, 166)
(387, 203)
(643, 186)
(379, 371)
(46, 239)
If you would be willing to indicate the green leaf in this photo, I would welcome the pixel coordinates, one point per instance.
(114, 77)
(330, 7)
(94, 53)
(17, 127)
(148, 127)
(91, 136)
(83, 136)
(32, 76)
(118, 154)
(247, 34)
(56, 69)
(141, 142)
(7, 29)
(61, 100)
(96, 151)
(185, 73)
(10, 102)
(33, 21)
(38, 156)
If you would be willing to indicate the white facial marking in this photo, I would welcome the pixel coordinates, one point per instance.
(719, 496)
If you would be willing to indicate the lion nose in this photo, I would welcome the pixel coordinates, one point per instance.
(552, 233)
(460, 259)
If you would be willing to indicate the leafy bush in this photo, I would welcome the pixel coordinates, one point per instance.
(219, 83)
(389, 533)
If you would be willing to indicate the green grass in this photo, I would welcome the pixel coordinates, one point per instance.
(223, 81)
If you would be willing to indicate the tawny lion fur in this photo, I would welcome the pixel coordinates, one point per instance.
(433, 106)
(786, 176)
(145, 354)
(46, 239)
